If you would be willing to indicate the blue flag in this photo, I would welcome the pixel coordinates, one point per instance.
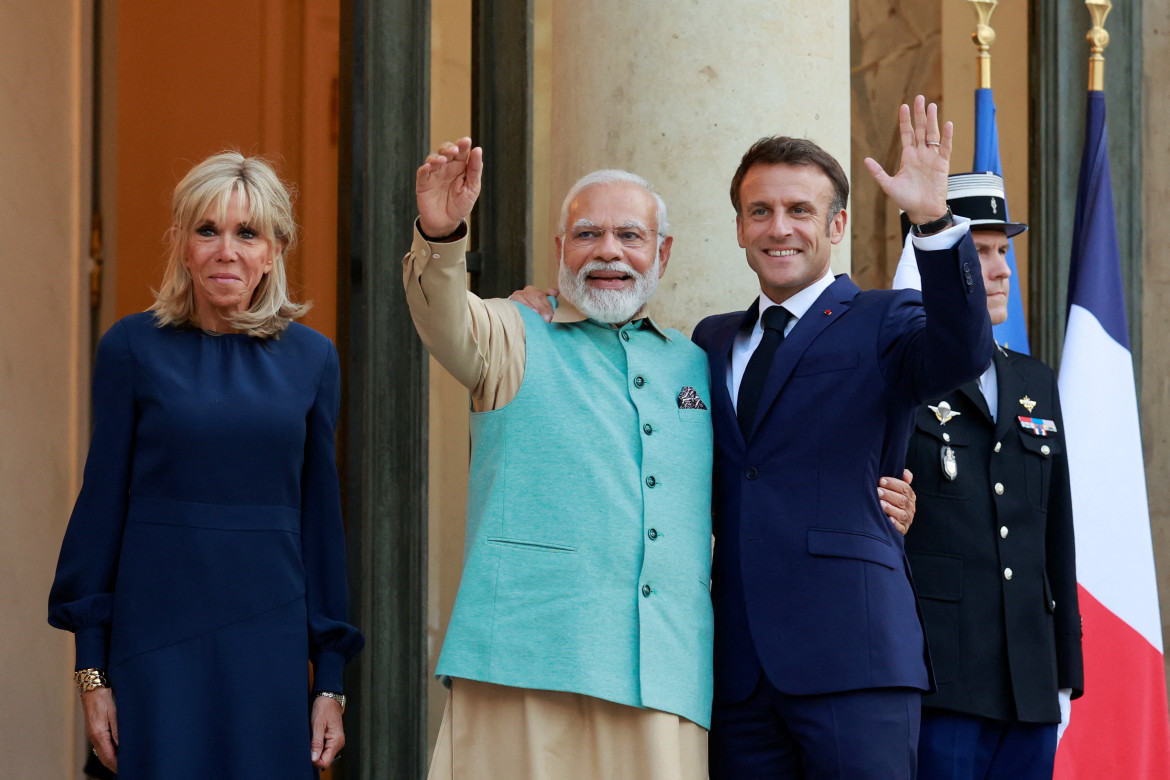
(1014, 332)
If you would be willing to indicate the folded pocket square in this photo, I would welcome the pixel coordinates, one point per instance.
(689, 399)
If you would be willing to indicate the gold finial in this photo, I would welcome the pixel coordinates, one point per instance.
(1098, 39)
(983, 36)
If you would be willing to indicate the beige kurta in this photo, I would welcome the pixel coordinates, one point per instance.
(495, 731)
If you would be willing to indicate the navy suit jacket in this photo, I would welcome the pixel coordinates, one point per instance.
(810, 578)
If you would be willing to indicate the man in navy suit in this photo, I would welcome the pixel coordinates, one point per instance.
(820, 657)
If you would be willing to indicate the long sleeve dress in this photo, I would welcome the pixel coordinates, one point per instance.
(204, 563)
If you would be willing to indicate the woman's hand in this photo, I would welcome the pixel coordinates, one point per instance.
(328, 733)
(101, 725)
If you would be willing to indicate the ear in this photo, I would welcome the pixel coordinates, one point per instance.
(558, 242)
(739, 230)
(837, 227)
(664, 255)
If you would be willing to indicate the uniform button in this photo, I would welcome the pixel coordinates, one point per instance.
(1003, 532)
(1053, 605)
(751, 473)
(946, 437)
(651, 482)
(639, 381)
(646, 590)
(1045, 449)
(653, 534)
(998, 446)
(625, 335)
(647, 429)
(999, 488)
(1007, 574)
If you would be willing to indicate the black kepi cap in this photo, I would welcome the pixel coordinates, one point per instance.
(980, 198)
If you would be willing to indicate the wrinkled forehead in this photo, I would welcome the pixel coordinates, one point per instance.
(613, 204)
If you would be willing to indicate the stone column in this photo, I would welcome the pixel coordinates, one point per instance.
(676, 91)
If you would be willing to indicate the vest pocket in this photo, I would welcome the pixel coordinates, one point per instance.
(524, 544)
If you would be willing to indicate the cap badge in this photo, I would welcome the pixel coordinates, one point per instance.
(943, 412)
(1028, 404)
(994, 206)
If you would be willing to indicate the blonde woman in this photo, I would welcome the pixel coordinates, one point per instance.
(204, 564)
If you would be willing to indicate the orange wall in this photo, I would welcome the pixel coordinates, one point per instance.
(195, 78)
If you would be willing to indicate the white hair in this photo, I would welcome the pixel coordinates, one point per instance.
(615, 176)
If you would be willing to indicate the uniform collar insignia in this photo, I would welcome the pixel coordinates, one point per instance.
(943, 412)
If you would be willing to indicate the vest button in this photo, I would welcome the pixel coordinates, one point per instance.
(651, 482)
(653, 534)
(751, 473)
(646, 591)
(647, 429)
(639, 381)
(625, 335)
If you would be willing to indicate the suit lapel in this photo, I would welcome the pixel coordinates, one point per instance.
(975, 396)
(827, 308)
(1010, 386)
(720, 361)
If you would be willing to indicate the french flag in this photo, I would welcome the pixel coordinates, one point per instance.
(1119, 728)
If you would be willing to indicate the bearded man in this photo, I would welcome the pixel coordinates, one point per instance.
(580, 641)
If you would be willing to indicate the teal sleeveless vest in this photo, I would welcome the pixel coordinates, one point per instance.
(588, 554)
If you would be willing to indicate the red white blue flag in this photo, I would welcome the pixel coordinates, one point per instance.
(1119, 728)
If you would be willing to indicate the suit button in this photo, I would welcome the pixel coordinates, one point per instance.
(999, 488)
(1045, 449)
(653, 534)
(647, 429)
(1007, 574)
(646, 591)
(998, 446)
(946, 437)
(751, 473)
(639, 381)
(651, 482)
(625, 335)
(1003, 532)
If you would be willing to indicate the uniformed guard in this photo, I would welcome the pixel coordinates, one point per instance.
(992, 546)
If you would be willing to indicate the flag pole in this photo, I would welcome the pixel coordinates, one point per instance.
(1098, 39)
(983, 37)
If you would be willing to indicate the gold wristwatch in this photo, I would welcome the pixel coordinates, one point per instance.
(89, 679)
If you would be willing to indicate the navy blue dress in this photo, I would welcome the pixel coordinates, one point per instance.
(204, 563)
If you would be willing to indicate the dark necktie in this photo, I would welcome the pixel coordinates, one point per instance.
(751, 387)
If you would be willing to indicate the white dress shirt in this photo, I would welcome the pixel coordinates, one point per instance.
(747, 341)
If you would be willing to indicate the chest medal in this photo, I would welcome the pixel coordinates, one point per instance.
(950, 466)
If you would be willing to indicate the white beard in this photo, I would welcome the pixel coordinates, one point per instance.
(610, 306)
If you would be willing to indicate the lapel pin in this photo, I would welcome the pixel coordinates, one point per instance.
(828, 311)
(1028, 404)
(943, 412)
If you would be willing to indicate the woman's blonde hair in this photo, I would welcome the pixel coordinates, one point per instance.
(210, 185)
